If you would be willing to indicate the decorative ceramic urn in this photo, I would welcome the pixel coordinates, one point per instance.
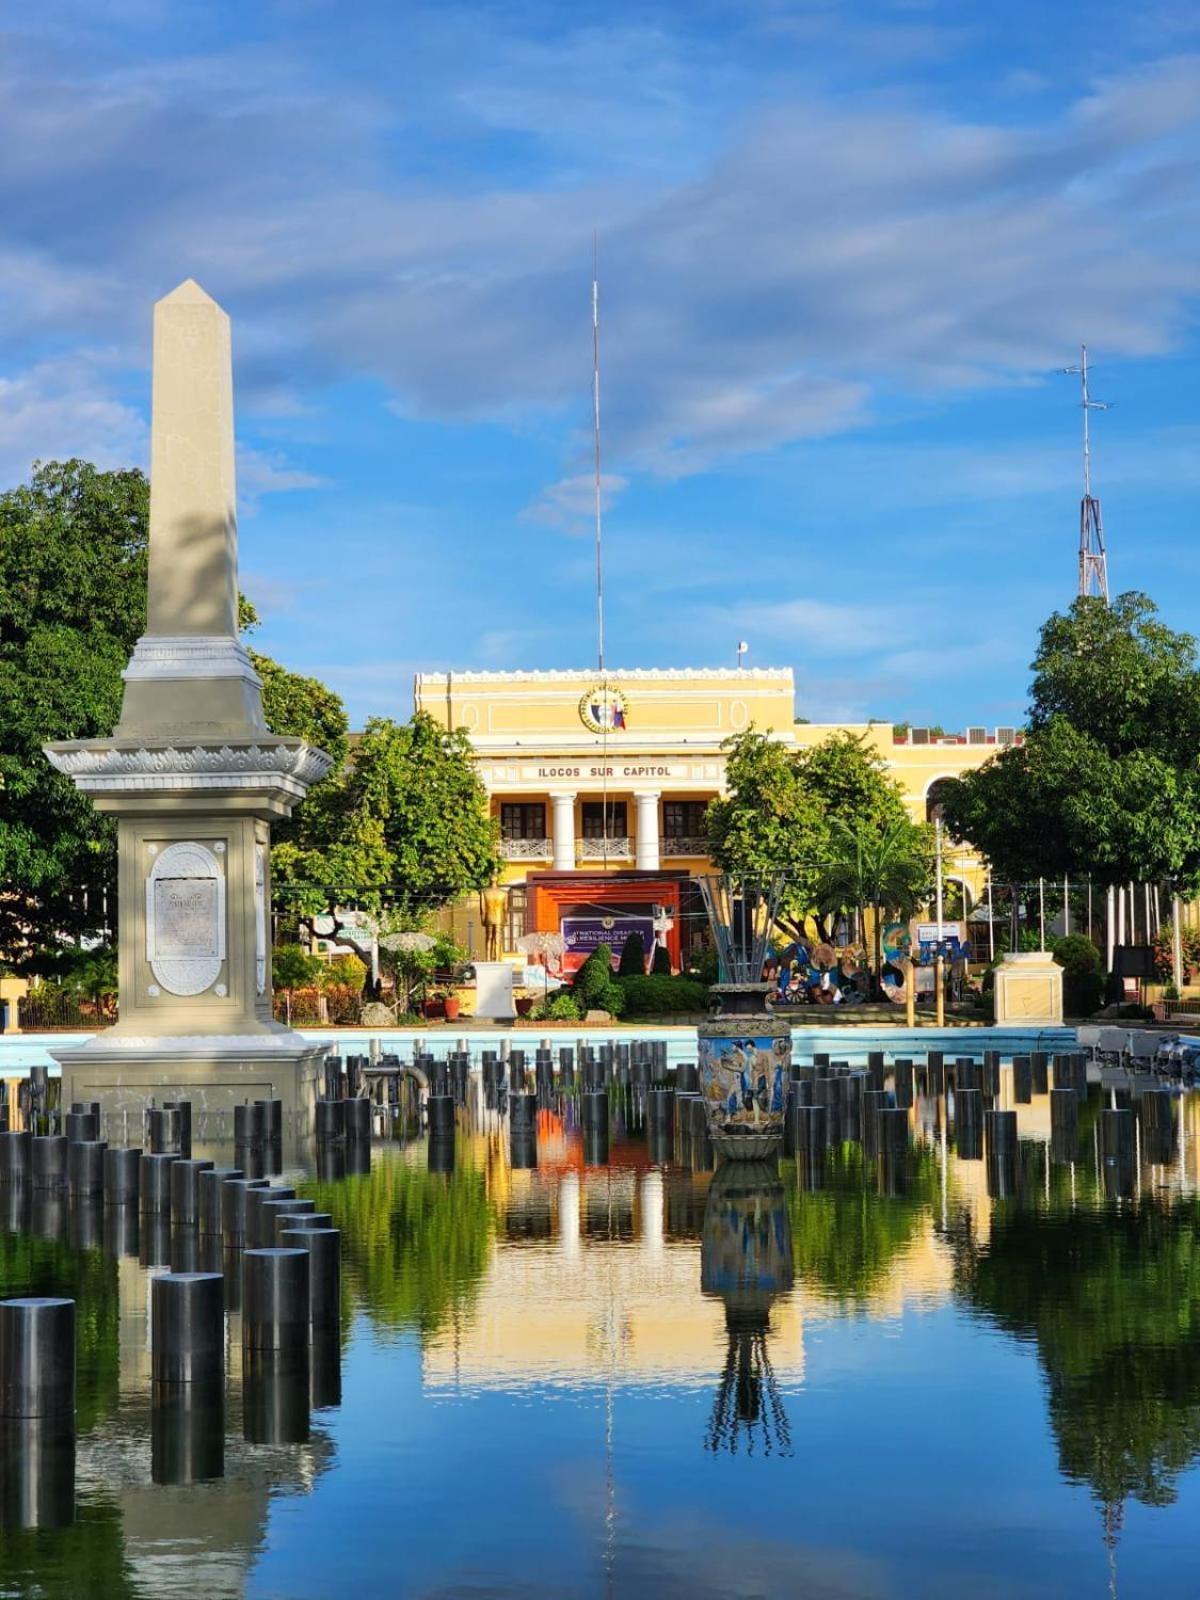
(745, 1052)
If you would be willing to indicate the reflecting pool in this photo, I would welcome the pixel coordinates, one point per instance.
(948, 1373)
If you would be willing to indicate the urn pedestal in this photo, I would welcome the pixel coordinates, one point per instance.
(745, 1058)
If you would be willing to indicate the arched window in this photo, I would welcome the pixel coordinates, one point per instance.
(934, 797)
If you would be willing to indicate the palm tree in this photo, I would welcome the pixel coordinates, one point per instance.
(885, 868)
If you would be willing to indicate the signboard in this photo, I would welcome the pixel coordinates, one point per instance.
(948, 939)
(185, 917)
(582, 934)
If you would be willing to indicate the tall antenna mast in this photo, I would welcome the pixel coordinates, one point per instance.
(1093, 559)
(596, 440)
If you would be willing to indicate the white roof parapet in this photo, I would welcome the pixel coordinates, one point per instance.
(629, 674)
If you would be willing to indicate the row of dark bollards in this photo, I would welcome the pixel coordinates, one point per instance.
(272, 1247)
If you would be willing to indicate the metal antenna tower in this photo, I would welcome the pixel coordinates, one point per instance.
(596, 452)
(1093, 558)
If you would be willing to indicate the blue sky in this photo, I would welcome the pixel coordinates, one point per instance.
(844, 249)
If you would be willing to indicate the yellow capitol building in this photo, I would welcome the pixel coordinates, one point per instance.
(600, 786)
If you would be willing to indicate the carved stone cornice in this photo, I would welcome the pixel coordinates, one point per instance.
(285, 767)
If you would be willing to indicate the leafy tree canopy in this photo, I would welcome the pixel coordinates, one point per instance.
(785, 808)
(402, 829)
(1106, 784)
(72, 604)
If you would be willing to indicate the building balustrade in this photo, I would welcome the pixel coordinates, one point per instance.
(527, 849)
(685, 845)
(610, 849)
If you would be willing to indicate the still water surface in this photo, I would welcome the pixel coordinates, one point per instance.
(641, 1379)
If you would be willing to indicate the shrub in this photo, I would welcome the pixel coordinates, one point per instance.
(1083, 973)
(661, 965)
(293, 968)
(658, 996)
(633, 957)
(344, 972)
(559, 1007)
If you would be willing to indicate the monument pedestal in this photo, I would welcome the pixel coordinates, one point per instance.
(1029, 990)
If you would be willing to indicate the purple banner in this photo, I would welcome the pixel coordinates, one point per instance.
(583, 934)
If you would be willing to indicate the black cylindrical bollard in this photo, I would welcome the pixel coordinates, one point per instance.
(303, 1220)
(968, 1124)
(1156, 1109)
(810, 1131)
(660, 1108)
(523, 1112)
(255, 1200)
(275, 1395)
(687, 1078)
(1022, 1080)
(156, 1182)
(85, 1167)
(48, 1161)
(1064, 1125)
(183, 1112)
(162, 1130)
(249, 1124)
(935, 1073)
(325, 1365)
(595, 1144)
(270, 1209)
(1116, 1148)
(233, 1208)
(81, 1126)
(357, 1118)
(122, 1173)
(211, 1179)
(37, 1474)
(122, 1235)
(275, 1300)
(1000, 1130)
(440, 1111)
(187, 1433)
(185, 1191)
(593, 1109)
(330, 1120)
(1038, 1064)
(37, 1359)
(523, 1149)
(272, 1120)
(873, 1102)
(893, 1130)
(903, 1073)
(324, 1246)
(187, 1327)
(16, 1157)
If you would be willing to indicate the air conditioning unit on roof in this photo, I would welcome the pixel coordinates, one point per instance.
(976, 735)
(919, 735)
(1006, 736)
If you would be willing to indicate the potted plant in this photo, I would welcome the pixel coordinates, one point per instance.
(452, 1006)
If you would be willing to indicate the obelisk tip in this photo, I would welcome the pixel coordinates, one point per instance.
(188, 292)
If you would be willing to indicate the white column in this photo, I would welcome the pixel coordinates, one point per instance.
(564, 832)
(647, 831)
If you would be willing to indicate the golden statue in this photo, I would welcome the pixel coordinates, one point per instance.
(493, 906)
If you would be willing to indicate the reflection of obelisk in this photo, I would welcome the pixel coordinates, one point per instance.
(193, 777)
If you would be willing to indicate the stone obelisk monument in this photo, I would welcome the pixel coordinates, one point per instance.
(194, 778)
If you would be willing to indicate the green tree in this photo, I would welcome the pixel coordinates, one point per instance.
(783, 805)
(403, 829)
(1112, 1299)
(1106, 784)
(633, 957)
(884, 868)
(72, 605)
(293, 968)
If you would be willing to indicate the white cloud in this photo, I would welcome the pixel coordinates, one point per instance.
(570, 504)
(63, 408)
(268, 472)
